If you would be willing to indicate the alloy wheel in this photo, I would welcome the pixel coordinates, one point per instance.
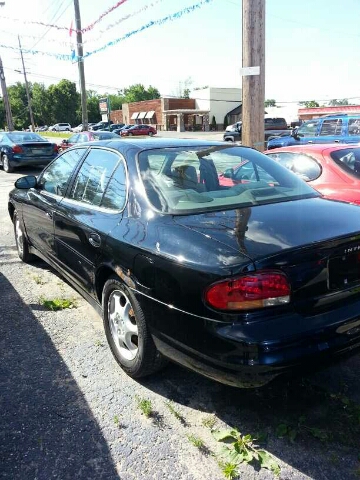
(123, 326)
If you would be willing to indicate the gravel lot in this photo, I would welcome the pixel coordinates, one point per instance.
(69, 412)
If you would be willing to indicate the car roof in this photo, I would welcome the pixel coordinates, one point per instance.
(154, 143)
(315, 147)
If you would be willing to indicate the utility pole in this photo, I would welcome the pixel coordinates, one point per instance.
(253, 80)
(27, 90)
(5, 95)
(80, 54)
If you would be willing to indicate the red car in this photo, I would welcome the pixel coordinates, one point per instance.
(86, 137)
(333, 169)
(139, 130)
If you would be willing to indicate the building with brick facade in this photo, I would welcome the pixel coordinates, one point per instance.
(181, 113)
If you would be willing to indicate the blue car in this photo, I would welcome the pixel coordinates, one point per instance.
(20, 149)
(328, 129)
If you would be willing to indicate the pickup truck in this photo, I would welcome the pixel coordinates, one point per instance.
(274, 127)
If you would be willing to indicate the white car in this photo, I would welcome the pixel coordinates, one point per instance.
(78, 128)
(61, 127)
(234, 127)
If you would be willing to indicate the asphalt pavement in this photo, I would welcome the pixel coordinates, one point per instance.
(69, 412)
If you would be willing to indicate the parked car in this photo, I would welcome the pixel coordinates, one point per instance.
(20, 149)
(138, 130)
(125, 127)
(61, 127)
(273, 127)
(86, 137)
(101, 125)
(328, 129)
(334, 170)
(41, 129)
(238, 283)
(78, 128)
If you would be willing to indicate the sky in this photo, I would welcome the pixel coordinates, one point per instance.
(311, 46)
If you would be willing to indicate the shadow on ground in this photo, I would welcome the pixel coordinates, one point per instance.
(47, 428)
(311, 423)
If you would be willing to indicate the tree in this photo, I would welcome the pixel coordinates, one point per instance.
(336, 102)
(2, 114)
(213, 123)
(270, 103)
(309, 103)
(226, 122)
(65, 102)
(41, 104)
(138, 93)
(19, 105)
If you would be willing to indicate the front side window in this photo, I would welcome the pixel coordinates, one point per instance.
(55, 179)
(306, 167)
(331, 127)
(308, 129)
(73, 138)
(93, 176)
(184, 180)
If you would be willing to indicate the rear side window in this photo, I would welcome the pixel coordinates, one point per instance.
(331, 127)
(348, 160)
(115, 194)
(302, 165)
(93, 176)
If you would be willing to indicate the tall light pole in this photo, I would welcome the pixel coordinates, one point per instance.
(5, 95)
(27, 90)
(253, 71)
(80, 54)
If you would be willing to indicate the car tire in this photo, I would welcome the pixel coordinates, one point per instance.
(22, 244)
(130, 134)
(229, 139)
(150, 134)
(124, 321)
(7, 167)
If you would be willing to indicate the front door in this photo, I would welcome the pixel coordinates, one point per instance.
(88, 213)
(43, 201)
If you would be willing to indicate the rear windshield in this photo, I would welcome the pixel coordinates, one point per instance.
(25, 137)
(105, 135)
(185, 180)
(348, 160)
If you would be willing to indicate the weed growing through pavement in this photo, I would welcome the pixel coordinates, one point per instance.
(99, 343)
(38, 280)
(240, 448)
(145, 406)
(58, 303)
(175, 412)
(229, 470)
(209, 421)
(196, 441)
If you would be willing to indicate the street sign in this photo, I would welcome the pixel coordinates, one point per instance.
(246, 71)
(103, 105)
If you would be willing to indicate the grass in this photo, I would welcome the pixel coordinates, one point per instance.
(56, 134)
(175, 412)
(145, 406)
(229, 470)
(58, 303)
(209, 422)
(196, 441)
(38, 280)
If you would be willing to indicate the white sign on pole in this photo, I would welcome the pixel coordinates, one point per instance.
(246, 71)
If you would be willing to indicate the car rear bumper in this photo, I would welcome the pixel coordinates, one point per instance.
(24, 161)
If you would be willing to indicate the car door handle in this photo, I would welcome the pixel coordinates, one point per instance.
(310, 141)
(336, 141)
(49, 214)
(95, 240)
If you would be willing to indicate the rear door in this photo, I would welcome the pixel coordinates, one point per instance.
(91, 210)
(352, 130)
(331, 130)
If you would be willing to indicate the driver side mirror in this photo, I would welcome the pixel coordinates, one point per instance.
(65, 140)
(229, 173)
(24, 183)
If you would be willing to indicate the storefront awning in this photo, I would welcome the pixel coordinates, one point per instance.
(150, 114)
(141, 115)
(134, 115)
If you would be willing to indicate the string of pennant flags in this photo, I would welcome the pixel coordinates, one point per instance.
(73, 57)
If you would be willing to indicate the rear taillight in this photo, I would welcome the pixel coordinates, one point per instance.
(17, 149)
(56, 148)
(256, 290)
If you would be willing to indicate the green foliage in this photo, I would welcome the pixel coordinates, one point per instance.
(138, 93)
(58, 303)
(175, 412)
(209, 422)
(65, 101)
(309, 103)
(145, 406)
(229, 470)
(196, 441)
(213, 123)
(226, 122)
(241, 448)
(18, 102)
(339, 102)
(38, 280)
(285, 430)
(270, 103)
